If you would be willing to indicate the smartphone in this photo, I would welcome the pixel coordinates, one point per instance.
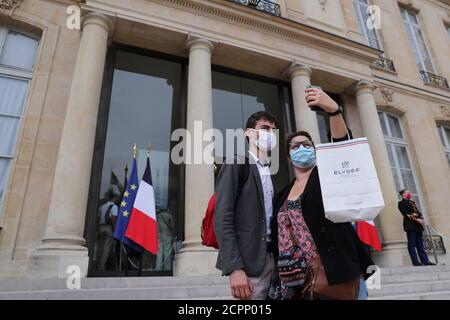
(315, 108)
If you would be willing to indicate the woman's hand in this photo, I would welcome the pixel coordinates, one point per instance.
(318, 98)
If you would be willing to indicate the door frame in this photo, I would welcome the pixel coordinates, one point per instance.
(99, 152)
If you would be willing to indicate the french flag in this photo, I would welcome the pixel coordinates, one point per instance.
(143, 227)
(368, 234)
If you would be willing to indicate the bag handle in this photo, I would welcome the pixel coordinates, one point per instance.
(348, 136)
(288, 222)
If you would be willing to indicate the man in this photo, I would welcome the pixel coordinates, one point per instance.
(413, 225)
(107, 218)
(166, 235)
(243, 213)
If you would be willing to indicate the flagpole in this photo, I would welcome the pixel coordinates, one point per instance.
(126, 251)
(142, 252)
(134, 151)
(125, 184)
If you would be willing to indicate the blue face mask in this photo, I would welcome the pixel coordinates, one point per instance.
(303, 157)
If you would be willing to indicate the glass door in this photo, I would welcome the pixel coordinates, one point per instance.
(142, 102)
(237, 95)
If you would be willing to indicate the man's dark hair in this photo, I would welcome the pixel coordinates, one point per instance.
(261, 115)
(401, 192)
(297, 134)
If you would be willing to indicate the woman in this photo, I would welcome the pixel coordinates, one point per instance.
(337, 244)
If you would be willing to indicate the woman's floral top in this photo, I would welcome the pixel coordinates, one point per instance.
(305, 241)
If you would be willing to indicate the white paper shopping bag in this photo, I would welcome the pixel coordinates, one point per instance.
(349, 182)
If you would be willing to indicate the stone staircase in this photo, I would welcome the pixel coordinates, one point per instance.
(413, 283)
(402, 283)
(145, 288)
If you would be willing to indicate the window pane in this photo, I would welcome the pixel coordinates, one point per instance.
(412, 17)
(363, 17)
(404, 13)
(398, 187)
(259, 96)
(323, 127)
(9, 128)
(402, 156)
(394, 125)
(4, 175)
(447, 134)
(408, 181)
(391, 156)
(383, 124)
(423, 49)
(359, 15)
(441, 131)
(12, 95)
(19, 51)
(237, 97)
(373, 41)
(226, 103)
(413, 45)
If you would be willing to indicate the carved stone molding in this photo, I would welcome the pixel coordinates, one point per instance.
(387, 94)
(408, 4)
(9, 4)
(7, 7)
(323, 4)
(445, 111)
(263, 26)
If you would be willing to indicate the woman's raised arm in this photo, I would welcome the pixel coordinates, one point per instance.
(318, 98)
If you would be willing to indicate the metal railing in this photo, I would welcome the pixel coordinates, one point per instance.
(261, 5)
(434, 80)
(435, 240)
(384, 63)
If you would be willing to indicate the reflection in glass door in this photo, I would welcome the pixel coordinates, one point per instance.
(237, 96)
(142, 103)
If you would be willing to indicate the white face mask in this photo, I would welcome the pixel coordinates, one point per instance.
(266, 140)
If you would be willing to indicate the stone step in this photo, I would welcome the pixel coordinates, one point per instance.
(111, 283)
(412, 269)
(440, 295)
(414, 277)
(156, 293)
(410, 288)
(400, 282)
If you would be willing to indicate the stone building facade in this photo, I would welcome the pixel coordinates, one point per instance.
(63, 89)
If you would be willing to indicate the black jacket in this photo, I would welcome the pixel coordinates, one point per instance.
(340, 249)
(409, 207)
(240, 220)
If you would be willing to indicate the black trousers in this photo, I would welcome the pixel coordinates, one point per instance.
(415, 242)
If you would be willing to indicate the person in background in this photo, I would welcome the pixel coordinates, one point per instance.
(166, 235)
(363, 292)
(107, 217)
(413, 224)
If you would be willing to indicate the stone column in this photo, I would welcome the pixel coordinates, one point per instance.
(194, 258)
(305, 119)
(394, 249)
(63, 243)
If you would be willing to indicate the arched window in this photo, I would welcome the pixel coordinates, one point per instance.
(397, 148)
(17, 57)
